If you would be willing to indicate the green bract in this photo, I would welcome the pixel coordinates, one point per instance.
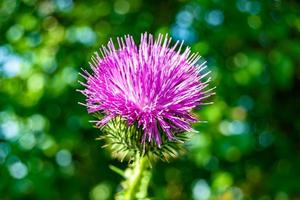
(125, 142)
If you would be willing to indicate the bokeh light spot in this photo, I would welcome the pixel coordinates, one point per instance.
(249, 6)
(46, 8)
(233, 128)
(265, 139)
(36, 82)
(222, 181)
(121, 7)
(10, 129)
(12, 66)
(254, 21)
(48, 145)
(27, 141)
(14, 33)
(18, 170)
(37, 122)
(201, 190)
(101, 191)
(64, 5)
(239, 113)
(84, 35)
(240, 60)
(7, 7)
(186, 34)
(246, 102)
(63, 158)
(70, 75)
(184, 19)
(215, 17)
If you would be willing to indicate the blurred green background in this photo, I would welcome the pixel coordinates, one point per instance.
(250, 149)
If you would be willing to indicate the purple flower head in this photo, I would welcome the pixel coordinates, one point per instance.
(151, 84)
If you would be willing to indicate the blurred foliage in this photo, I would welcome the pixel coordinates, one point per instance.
(248, 150)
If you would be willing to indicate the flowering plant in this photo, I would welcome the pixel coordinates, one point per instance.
(142, 96)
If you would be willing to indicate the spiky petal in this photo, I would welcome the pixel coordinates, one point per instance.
(152, 84)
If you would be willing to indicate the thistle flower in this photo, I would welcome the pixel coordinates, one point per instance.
(153, 86)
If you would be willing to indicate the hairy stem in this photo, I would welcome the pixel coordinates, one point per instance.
(135, 180)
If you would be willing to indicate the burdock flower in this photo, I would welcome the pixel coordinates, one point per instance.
(148, 89)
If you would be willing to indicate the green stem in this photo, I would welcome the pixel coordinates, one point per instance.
(134, 181)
